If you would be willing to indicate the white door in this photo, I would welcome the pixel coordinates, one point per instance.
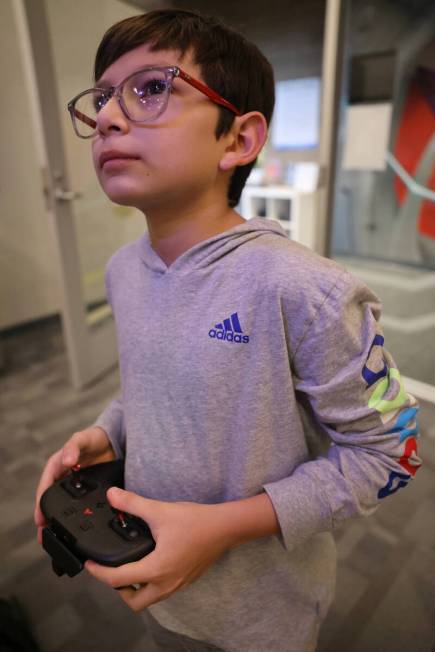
(58, 40)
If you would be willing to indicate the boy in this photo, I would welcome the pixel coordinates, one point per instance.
(241, 355)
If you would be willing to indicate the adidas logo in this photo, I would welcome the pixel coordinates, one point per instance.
(229, 330)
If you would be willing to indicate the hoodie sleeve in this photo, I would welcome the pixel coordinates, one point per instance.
(111, 420)
(357, 395)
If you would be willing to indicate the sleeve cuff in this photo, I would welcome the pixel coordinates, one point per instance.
(112, 430)
(302, 510)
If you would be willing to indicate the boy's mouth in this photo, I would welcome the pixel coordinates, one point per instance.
(115, 158)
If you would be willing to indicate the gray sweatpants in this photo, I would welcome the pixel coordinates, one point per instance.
(159, 639)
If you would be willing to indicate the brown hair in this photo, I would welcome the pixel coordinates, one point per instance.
(229, 64)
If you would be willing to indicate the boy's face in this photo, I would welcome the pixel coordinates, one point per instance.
(175, 157)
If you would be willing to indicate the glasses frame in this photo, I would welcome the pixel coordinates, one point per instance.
(116, 91)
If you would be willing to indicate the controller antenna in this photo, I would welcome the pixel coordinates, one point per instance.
(121, 519)
(77, 481)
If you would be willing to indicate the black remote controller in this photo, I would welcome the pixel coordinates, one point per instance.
(82, 525)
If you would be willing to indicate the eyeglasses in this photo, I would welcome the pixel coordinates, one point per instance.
(143, 96)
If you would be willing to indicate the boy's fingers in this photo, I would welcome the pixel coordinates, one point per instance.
(139, 599)
(60, 463)
(70, 455)
(74, 447)
(120, 577)
(132, 503)
(91, 440)
(38, 517)
(56, 467)
(88, 446)
(47, 478)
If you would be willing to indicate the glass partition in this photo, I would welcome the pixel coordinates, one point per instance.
(384, 219)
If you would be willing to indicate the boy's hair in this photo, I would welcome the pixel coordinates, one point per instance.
(229, 64)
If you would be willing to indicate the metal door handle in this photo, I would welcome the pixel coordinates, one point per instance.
(66, 195)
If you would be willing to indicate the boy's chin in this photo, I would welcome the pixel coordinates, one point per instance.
(123, 201)
(123, 197)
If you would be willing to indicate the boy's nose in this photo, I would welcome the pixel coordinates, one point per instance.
(111, 117)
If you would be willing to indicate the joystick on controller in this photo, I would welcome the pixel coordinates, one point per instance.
(82, 525)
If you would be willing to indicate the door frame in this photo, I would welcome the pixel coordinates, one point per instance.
(90, 338)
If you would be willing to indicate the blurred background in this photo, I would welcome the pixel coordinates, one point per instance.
(348, 170)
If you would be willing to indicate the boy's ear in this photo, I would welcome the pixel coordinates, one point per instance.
(248, 135)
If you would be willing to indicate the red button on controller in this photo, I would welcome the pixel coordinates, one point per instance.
(88, 511)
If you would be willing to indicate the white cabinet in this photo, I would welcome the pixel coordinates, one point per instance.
(293, 209)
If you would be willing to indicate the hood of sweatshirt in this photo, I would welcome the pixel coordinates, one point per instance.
(208, 251)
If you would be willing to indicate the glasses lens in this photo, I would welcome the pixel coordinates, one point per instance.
(85, 112)
(144, 97)
(145, 94)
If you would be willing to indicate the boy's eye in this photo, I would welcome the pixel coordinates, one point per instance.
(150, 87)
(100, 99)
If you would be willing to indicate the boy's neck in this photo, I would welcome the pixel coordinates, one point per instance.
(172, 236)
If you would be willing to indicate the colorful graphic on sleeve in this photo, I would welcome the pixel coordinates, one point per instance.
(395, 481)
(371, 377)
(388, 392)
(405, 424)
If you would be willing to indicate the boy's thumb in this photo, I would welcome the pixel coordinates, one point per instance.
(70, 456)
(127, 501)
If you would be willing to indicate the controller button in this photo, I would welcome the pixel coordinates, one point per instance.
(125, 528)
(69, 511)
(86, 525)
(88, 511)
(78, 488)
(133, 533)
(101, 505)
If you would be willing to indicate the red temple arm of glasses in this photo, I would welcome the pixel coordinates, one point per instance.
(209, 92)
(84, 118)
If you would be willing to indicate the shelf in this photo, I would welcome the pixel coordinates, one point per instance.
(293, 210)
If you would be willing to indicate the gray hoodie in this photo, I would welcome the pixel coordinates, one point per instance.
(252, 364)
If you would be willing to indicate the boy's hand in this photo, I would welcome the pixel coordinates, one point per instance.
(189, 538)
(89, 446)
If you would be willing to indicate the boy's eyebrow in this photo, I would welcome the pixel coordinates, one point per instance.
(102, 83)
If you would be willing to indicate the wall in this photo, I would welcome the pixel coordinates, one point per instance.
(28, 286)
